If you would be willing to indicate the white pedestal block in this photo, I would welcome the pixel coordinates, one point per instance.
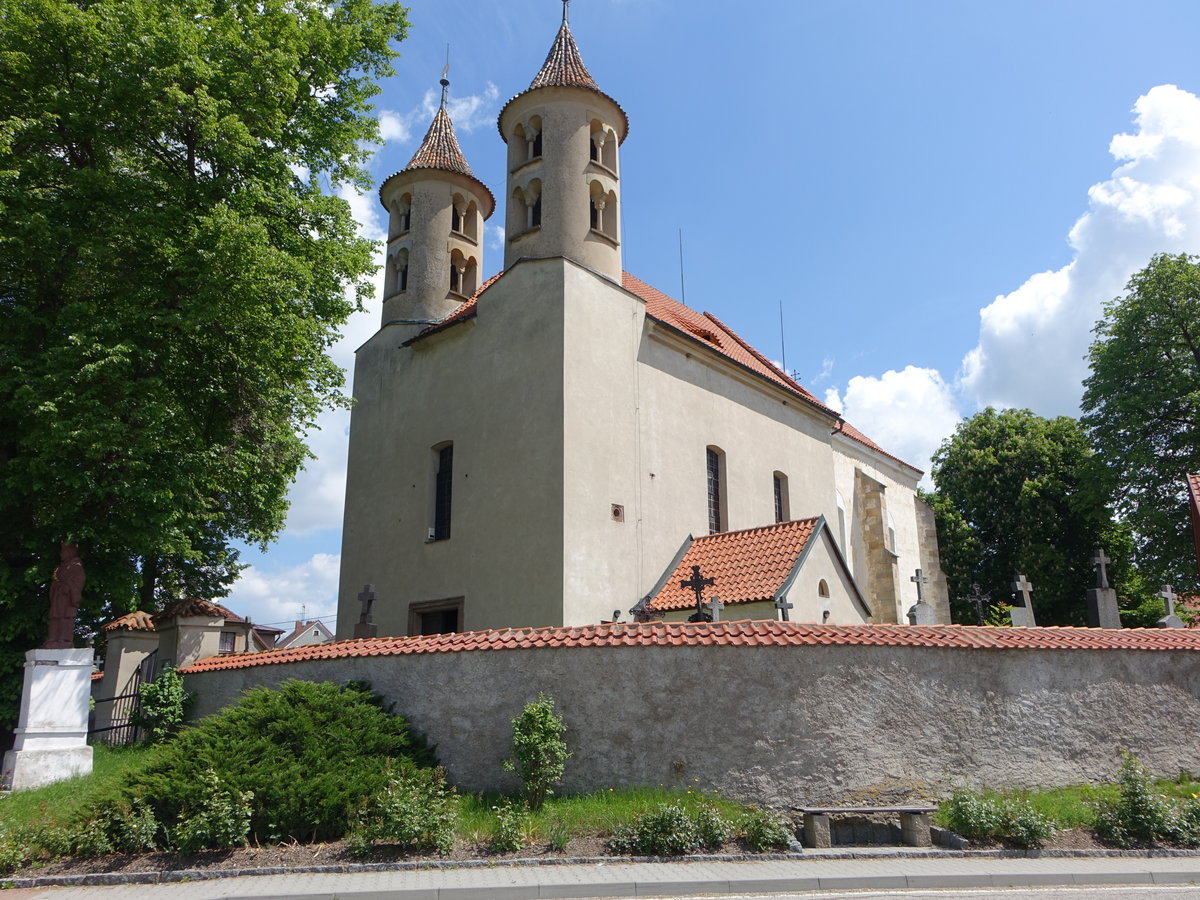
(51, 735)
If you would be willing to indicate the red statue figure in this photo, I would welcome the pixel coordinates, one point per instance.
(66, 590)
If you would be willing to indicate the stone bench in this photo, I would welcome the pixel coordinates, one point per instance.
(914, 822)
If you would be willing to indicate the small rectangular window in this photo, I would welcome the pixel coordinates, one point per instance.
(435, 616)
(441, 503)
(226, 645)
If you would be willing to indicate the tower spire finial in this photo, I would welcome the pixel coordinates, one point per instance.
(566, 12)
(445, 73)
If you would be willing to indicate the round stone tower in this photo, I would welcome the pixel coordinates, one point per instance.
(436, 210)
(564, 184)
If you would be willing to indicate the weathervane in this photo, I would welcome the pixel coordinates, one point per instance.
(446, 76)
(566, 12)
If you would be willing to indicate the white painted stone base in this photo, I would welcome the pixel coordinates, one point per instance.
(28, 769)
(51, 737)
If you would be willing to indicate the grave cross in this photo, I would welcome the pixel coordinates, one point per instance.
(1023, 587)
(783, 606)
(979, 600)
(921, 581)
(715, 606)
(697, 583)
(1169, 597)
(1100, 561)
(1023, 614)
(367, 597)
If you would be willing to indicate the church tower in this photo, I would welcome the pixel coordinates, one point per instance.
(436, 210)
(564, 188)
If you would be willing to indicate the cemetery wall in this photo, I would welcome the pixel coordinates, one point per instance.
(788, 724)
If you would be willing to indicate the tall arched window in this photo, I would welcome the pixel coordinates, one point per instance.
(782, 501)
(841, 522)
(442, 485)
(715, 467)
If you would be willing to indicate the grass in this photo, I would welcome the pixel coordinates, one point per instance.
(58, 802)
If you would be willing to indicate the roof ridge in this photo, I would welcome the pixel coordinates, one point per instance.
(793, 383)
(770, 527)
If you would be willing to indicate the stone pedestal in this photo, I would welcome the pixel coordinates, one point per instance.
(365, 630)
(1102, 608)
(921, 613)
(51, 735)
(1022, 617)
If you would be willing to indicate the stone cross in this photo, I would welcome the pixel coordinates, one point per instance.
(365, 628)
(979, 600)
(1100, 561)
(921, 581)
(783, 606)
(715, 606)
(697, 583)
(1022, 616)
(1170, 620)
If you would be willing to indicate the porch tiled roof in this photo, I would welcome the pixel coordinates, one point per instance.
(746, 566)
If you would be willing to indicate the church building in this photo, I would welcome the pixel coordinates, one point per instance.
(562, 443)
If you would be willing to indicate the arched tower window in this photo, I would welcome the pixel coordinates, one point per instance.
(401, 215)
(715, 476)
(534, 137)
(602, 208)
(396, 273)
(603, 148)
(458, 213)
(782, 504)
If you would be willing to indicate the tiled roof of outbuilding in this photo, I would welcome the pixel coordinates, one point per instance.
(747, 633)
(134, 621)
(746, 566)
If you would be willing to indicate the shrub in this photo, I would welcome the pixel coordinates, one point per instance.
(665, 830)
(712, 828)
(12, 852)
(764, 830)
(1141, 813)
(415, 810)
(221, 820)
(980, 817)
(508, 833)
(126, 827)
(309, 754)
(163, 708)
(539, 751)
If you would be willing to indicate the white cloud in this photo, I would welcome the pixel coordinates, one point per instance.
(907, 413)
(469, 112)
(393, 127)
(1033, 341)
(495, 236)
(308, 589)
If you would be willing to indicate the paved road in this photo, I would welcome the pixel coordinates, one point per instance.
(1135, 892)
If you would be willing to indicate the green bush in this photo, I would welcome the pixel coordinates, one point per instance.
(415, 810)
(764, 830)
(670, 830)
(128, 827)
(220, 820)
(539, 751)
(12, 852)
(309, 753)
(978, 816)
(1141, 813)
(510, 828)
(163, 708)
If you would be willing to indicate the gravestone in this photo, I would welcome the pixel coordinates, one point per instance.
(1170, 620)
(1102, 599)
(365, 627)
(714, 607)
(979, 600)
(1022, 613)
(921, 613)
(696, 584)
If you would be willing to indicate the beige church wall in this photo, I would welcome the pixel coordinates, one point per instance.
(804, 593)
(507, 481)
(815, 724)
(688, 404)
(901, 501)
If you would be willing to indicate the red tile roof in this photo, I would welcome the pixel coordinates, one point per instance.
(703, 327)
(745, 633)
(194, 606)
(746, 566)
(564, 67)
(1194, 504)
(134, 621)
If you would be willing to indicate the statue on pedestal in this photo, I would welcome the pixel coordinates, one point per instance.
(66, 592)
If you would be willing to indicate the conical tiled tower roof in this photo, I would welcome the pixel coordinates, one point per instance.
(440, 151)
(440, 148)
(564, 67)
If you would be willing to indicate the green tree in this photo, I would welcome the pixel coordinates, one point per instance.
(539, 752)
(174, 263)
(1142, 409)
(1016, 494)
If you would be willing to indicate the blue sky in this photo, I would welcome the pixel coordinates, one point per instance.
(941, 195)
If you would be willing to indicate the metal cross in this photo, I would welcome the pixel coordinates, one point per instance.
(697, 583)
(366, 598)
(979, 600)
(715, 606)
(921, 581)
(783, 606)
(1169, 597)
(1100, 561)
(1024, 588)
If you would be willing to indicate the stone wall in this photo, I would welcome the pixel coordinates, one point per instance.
(788, 725)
